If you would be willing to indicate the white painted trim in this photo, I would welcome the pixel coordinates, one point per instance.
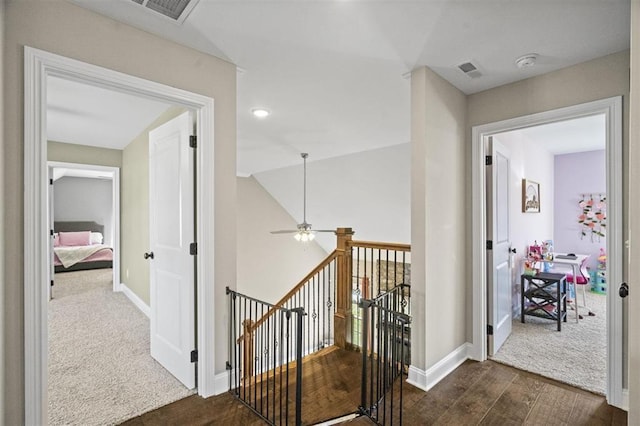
(115, 202)
(38, 66)
(425, 380)
(625, 400)
(221, 381)
(139, 303)
(417, 377)
(612, 109)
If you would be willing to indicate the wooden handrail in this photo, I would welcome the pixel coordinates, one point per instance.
(294, 290)
(381, 246)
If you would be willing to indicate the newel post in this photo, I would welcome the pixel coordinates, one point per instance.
(342, 317)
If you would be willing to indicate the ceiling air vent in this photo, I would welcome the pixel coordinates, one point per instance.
(470, 70)
(177, 10)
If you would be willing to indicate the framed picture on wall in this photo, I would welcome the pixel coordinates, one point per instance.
(530, 196)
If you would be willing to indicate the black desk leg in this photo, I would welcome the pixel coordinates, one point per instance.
(558, 304)
(522, 299)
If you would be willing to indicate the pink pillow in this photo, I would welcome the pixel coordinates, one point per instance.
(82, 238)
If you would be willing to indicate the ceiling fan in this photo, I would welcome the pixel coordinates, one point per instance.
(304, 232)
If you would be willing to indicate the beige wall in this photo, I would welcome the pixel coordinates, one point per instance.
(269, 265)
(634, 219)
(438, 225)
(134, 208)
(82, 154)
(61, 27)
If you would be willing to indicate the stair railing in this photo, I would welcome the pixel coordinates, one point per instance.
(378, 269)
(385, 342)
(262, 361)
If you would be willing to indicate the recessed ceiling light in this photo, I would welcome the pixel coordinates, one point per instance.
(527, 60)
(260, 112)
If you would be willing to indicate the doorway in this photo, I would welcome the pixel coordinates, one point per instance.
(563, 163)
(111, 237)
(40, 65)
(612, 110)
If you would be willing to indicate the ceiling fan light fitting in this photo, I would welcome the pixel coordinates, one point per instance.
(304, 236)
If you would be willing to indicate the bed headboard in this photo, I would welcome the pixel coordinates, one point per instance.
(77, 226)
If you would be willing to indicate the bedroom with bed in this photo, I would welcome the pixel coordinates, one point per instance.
(83, 221)
(79, 246)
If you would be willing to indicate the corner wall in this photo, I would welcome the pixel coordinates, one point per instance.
(63, 28)
(269, 265)
(438, 221)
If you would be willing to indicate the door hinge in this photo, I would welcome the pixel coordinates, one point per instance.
(488, 160)
(193, 141)
(489, 330)
(51, 283)
(50, 181)
(51, 232)
(228, 365)
(193, 249)
(489, 245)
(194, 355)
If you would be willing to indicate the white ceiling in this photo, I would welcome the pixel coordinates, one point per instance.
(576, 135)
(90, 115)
(333, 73)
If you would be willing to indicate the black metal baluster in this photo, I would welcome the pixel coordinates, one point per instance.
(300, 313)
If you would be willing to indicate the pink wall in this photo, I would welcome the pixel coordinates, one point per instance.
(576, 174)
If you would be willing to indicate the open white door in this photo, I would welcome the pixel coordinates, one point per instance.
(172, 267)
(498, 258)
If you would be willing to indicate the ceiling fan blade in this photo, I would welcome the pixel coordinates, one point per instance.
(333, 231)
(285, 231)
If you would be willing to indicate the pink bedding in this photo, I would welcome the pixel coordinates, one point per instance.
(104, 254)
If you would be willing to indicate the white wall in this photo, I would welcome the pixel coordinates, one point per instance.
(269, 265)
(368, 191)
(576, 174)
(527, 161)
(85, 199)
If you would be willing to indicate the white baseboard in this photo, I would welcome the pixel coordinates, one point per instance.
(625, 400)
(139, 303)
(221, 382)
(425, 380)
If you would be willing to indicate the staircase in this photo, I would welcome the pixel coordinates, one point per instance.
(354, 304)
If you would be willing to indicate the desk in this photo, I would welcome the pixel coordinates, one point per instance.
(544, 295)
(575, 266)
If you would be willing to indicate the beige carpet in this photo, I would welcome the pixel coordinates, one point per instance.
(577, 355)
(100, 369)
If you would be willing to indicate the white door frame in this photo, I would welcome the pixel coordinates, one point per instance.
(115, 202)
(38, 65)
(612, 109)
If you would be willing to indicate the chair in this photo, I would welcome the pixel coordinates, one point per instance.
(582, 280)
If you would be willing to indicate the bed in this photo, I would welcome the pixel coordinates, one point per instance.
(78, 246)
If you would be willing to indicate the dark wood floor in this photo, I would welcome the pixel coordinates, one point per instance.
(476, 393)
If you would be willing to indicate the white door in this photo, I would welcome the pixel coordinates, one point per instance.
(498, 258)
(171, 231)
